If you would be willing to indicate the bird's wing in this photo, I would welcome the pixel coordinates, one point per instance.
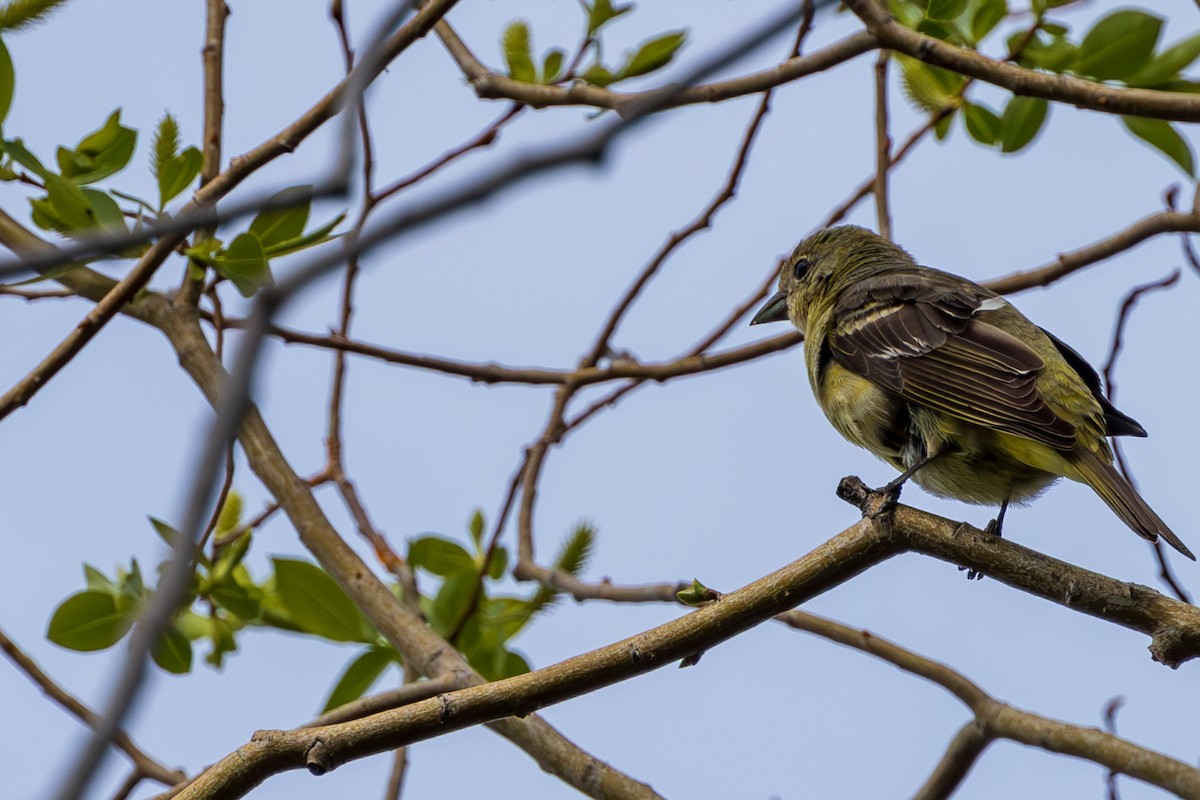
(922, 336)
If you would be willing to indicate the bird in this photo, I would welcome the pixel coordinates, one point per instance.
(948, 382)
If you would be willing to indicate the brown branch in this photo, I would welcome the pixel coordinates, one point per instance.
(1067, 263)
(144, 765)
(34, 294)
(384, 701)
(419, 646)
(92, 323)
(883, 147)
(494, 86)
(483, 139)
(1174, 627)
(1059, 88)
(996, 720)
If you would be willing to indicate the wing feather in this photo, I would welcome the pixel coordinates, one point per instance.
(925, 341)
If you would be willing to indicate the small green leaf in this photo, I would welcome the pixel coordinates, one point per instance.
(359, 675)
(440, 556)
(16, 150)
(982, 123)
(244, 263)
(697, 594)
(287, 217)
(97, 581)
(497, 563)
(1168, 64)
(475, 528)
(165, 146)
(1162, 136)
(88, 621)
(552, 65)
(174, 652)
(177, 175)
(237, 600)
(929, 88)
(451, 600)
(945, 9)
(231, 555)
(8, 80)
(603, 11)
(517, 52)
(106, 213)
(101, 153)
(1022, 119)
(1118, 45)
(17, 15)
(231, 513)
(310, 239)
(598, 75)
(510, 664)
(987, 16)
(652, 55)
(316, 603)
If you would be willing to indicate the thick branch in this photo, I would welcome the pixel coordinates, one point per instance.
(1059, 88)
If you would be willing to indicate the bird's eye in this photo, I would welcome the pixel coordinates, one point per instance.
(800, 268)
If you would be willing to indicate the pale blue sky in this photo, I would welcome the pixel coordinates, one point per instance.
(723, 478)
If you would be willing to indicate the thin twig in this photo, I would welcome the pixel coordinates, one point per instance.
(883, 146)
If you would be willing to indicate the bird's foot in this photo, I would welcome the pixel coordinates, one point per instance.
(995, 528)
(972, 574)
(871, 502)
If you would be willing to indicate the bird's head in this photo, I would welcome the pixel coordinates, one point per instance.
(822, 266)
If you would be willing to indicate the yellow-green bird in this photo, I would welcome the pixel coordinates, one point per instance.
(947, 382)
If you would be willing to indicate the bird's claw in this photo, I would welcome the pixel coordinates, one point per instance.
(871, 502)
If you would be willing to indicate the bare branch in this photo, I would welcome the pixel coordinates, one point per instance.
(144, 765)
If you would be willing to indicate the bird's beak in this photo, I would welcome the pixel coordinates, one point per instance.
(774, 310)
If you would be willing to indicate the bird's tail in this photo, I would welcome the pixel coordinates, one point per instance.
(1125, 501)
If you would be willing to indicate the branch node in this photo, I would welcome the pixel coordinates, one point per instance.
(317, 758)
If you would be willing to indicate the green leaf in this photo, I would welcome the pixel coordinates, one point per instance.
(310, 239)
(475, 528)
(652, 55)
(287, 217)
(16, 15)
(510, 664)
(88, 621)
(15, 149)
(237, 600)
(1022, 119)
(497, 563)
(8, 82)
(174, 652)
(945, 9)
(451, 600)
(440, 556)
(177, 175)
(552, 65)
(1055, 55)
(359, 675)
(929, 88)
(231, 555)
(1162, 136)
(244, 263)
(988, 14)
(1118, 46)
(221, 636)
(517, 52)
(697, 594)
(941, 128)
(231, 513)
(165, 146)
(97, 581)
(982, 123)
(316, 603)
(598, 75)
(602, 12)
(106, 213)
(101, 153)
(1168, 64)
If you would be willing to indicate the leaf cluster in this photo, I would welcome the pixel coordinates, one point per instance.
(650, 56)
(1120, 47)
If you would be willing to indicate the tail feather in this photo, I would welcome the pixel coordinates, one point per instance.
(1124, 500)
